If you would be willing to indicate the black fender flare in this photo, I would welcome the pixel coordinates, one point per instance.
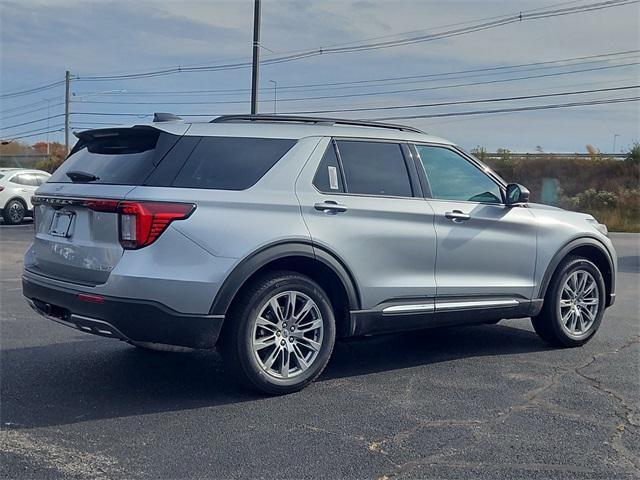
(564, 251)
(275, 251)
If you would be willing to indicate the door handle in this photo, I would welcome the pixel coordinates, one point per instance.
(330, 206)
(457, 216)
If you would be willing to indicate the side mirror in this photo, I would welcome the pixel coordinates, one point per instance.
(517, 194)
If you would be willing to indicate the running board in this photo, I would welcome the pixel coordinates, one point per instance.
(448, 306)
(428, 313)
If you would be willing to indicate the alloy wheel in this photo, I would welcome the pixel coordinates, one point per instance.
(287, 334)
(16, 212)
(579, 303)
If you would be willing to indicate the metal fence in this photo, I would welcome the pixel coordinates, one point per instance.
(553, 156)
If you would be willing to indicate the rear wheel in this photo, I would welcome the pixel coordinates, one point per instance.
(280, 334)
(574, 304)
(14, 212)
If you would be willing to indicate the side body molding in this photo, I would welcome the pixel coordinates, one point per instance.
(277, 251)
(610, 277)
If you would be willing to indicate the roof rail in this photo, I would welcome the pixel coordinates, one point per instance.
(314, 120)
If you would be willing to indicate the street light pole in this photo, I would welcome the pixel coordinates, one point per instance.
(67, 87)
(275, 95)
(48, 116)
(256, 57)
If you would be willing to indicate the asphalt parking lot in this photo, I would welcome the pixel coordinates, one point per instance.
(481, 402)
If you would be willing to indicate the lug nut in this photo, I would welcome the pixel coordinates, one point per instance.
(284, 324)
(278, 333)
(282, 342)
(293, 328)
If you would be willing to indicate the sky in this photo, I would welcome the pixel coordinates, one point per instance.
(40, 39)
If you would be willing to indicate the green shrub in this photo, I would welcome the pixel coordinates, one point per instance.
(591, 199)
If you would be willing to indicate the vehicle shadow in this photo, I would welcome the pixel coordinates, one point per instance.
(93, 379)
(26, 221)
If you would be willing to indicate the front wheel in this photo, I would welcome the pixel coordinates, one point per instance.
(574, 304)
(280, 334)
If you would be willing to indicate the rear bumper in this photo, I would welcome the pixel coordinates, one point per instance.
(125, 319)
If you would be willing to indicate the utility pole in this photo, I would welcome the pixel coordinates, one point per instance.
(256, 57)
(614, 143)
(67, 85)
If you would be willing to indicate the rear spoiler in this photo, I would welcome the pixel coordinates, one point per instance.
(87, 136)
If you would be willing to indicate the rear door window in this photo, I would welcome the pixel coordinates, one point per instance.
(374, 168)
(231, 163)
(22, 179)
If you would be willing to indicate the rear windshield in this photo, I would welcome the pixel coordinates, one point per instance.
(151, 157)
(124, 157)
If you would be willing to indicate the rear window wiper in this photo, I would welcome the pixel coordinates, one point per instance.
(81, 177)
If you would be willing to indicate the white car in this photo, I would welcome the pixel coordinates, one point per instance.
(17, 185)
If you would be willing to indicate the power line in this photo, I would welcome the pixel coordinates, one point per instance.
(30, 91)
(516, 109)
(400, 107)
(38, 131)
(37, 134)
(268, 53)
(33, 133)
(33, 121)
(368, 94)
(499, 22)
(467, 102)
(46, 107)
(360, 83)
(39, 102)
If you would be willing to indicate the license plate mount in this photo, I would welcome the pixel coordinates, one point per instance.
(61, 223)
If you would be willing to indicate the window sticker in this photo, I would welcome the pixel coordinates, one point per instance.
(333, 178)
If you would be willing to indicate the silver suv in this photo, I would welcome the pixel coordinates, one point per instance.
(272, 236)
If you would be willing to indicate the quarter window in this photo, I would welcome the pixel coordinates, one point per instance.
(374, 168)
(328, 177)
(231, 163)
(40, 179)
(453, 177)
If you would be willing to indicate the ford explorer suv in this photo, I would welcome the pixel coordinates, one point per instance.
(271, 236)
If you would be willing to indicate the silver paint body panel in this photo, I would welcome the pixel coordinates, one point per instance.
(395, 248)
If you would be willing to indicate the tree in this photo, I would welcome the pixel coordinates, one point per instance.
(633, 155)
(593, 152)
(479, 152)
(504, 154)
(57, 155)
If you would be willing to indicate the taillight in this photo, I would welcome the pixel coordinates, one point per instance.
(141, 223)
(101, 205)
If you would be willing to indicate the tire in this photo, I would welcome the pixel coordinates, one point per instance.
(555, 321)
(264, 354)
(14, 212)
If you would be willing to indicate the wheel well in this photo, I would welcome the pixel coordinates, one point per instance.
(21, 200)
(599, 258)
(320, 273)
